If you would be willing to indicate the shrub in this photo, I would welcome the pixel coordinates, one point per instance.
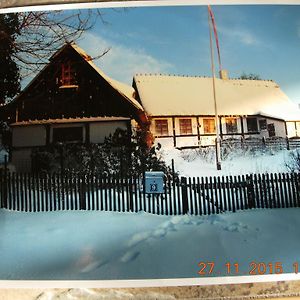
(119, 154)
(293, 165)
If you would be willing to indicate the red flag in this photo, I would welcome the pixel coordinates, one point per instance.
(215, 33)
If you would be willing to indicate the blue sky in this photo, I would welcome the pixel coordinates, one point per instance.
(260, 39)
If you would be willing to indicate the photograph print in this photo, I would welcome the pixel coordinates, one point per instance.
(150, 142)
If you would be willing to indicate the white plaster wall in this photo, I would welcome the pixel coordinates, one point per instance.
(166, 143)
(187, 141)
(207, 140)
(298, 128)
(100, 130)
(28, 136)
(291, 129)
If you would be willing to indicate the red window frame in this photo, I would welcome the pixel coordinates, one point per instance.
(67, 74)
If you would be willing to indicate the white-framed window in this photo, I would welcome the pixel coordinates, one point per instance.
(209, 125)
(252, 124)
(161, 127)
(185, 126)
(231, 125)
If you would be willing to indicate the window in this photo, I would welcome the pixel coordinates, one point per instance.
(185, 126)
(67, 75)
(161, 127)
(209, 125)
(68, 134)
(271, 130)
(252, 125)
(231, 125)
(263, 124)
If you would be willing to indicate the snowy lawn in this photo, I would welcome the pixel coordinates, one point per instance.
(105, 245)
(191, 163)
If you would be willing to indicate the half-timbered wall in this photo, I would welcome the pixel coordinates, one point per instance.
(202, 132)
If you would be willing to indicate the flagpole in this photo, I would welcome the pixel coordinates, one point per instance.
(217, 123)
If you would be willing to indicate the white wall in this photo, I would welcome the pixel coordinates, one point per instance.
(100, 130)
(28, 136)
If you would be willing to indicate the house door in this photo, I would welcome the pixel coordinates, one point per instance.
(271, 130)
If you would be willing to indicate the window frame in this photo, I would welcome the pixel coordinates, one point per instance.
(162, 129)
(67, 75)
(228, 131)
(214, 122)
(251, 119)
(78, 139)
(185, 129)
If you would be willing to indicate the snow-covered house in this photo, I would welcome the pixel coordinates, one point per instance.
(181, 109)
(70, 100)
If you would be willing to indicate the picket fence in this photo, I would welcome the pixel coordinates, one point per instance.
(197, 196)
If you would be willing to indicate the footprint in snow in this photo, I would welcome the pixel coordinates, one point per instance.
(129, 256)
(159, 233)
(92, 266)
(137, 238)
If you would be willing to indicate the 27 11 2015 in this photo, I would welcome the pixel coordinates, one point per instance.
(255, 268)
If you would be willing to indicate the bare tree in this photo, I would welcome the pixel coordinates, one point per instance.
(42, 33)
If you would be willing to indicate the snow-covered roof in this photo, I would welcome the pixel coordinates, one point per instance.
(124, 89)
(165, 95)
(70, 120)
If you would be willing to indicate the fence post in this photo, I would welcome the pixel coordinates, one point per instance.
(250, 191)
(184, 193)
(4, 184)
(82, 204)
(287, 143)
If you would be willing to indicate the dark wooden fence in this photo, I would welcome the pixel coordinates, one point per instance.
(197, 196)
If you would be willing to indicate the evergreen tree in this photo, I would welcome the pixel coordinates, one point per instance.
(250, 76)
(9, 71)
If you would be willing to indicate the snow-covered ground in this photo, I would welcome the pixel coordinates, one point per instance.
(199, 163)
(105, 245)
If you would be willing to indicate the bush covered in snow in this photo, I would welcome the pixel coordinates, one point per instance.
(293, 164)
(119, 154)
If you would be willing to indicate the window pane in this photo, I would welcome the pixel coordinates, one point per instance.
(67, 134)
(67, 74)
(185, 126)
(263, 124)
(252, 125)
(209, 125)
(161, 127)
(271, 130)
(231, 125)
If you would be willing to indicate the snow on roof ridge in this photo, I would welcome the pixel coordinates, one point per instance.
(169, 75)
(200, 76)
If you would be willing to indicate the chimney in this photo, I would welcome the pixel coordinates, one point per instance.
(223, 74)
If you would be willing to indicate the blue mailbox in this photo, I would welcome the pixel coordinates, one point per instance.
(154, 182)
